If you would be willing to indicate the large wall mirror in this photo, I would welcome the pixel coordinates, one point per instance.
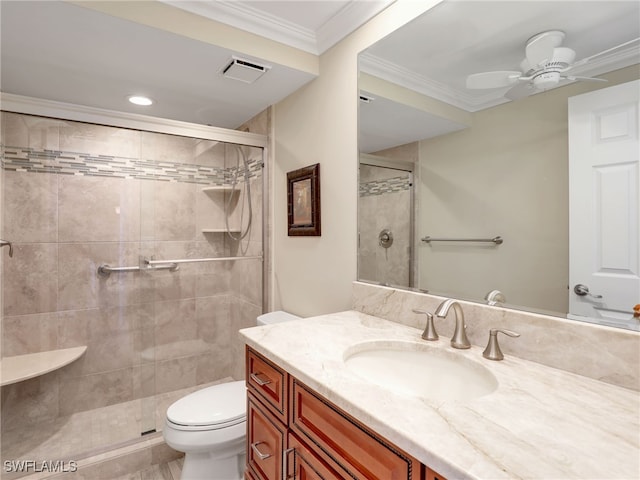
(507, 196)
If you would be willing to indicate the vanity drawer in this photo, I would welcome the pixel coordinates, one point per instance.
(344, 443)
(303, 464)
(266, 441)
(268, 382)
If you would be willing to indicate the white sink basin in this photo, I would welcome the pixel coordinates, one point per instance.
(420, 370)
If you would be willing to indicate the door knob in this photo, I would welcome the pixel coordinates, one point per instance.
(583, 290)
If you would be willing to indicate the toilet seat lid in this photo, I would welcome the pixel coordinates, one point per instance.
(220, 405)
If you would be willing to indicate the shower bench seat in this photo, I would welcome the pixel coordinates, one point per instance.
(23, 367)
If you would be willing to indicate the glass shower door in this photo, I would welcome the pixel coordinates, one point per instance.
(200, 265)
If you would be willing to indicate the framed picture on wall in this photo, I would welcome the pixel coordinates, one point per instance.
(303, 201)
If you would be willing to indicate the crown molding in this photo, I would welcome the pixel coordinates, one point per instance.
(348, 19)
(245, 17)
(252, 20)
(472, 102)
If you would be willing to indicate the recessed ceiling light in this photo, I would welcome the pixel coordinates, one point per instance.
(140, 100)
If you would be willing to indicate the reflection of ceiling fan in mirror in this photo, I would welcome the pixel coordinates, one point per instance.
(545, 66)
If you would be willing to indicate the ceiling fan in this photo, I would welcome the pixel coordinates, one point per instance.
(545, 65)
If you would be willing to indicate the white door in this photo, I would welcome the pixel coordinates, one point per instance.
(604, 206)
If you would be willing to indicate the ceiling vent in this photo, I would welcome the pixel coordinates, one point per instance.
(244, 70)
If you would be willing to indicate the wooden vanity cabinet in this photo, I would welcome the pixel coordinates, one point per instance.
(295, 433)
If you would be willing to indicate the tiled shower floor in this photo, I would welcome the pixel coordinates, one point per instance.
(90, 432)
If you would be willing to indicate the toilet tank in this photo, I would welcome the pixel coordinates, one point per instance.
(275, 317)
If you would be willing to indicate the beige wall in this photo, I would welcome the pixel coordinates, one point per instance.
(318, 124)
(508, 176)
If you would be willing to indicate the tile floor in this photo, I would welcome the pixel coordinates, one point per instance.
(165, 471)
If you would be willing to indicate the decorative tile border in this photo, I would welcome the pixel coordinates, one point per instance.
(71, 163)
(388, 185)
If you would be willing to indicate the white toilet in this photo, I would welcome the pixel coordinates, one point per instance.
(210, 425)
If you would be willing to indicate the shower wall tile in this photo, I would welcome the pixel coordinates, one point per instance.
(173, 285)
(81, 287)
(175, 321)
(24, 334)
(110, 334)
(176, 373)
(175, 211)
(31, 131)
(98, 209)
(209, 153)
(243, 315)
(214, 365)
(77, 394)
(111, 352)
(261, 123)
(246, 281)
(30, 283)
(144, 380)
(160, 147)
(30, 207)
(213, 277)
(213, 321)
(213, 280)
(30, 402)
(104, 140)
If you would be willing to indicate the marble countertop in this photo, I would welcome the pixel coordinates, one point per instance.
(540, 423)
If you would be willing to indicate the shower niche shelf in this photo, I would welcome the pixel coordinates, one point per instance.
(23, 367)
(226, 189)
(220, 230)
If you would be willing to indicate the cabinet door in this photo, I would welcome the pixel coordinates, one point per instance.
(302, 464)
(343, 442)
(266, 440)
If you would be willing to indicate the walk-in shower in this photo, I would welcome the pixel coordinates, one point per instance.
(385, 221)
(143, 245)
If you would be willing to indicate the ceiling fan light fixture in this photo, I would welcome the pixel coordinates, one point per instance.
(546, 80)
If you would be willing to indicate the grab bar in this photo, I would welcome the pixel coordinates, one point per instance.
(497, 240)
(4, 243)
(199, 260)
(105, 270)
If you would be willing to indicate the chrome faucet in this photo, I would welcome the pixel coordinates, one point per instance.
(459, 339)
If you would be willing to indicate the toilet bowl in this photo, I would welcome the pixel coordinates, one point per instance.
(210, 426)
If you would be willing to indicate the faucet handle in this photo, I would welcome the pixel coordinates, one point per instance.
(429, 333)
(493, 352)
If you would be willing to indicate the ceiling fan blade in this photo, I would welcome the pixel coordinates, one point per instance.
(497, 79)
(540, 48)
(584, 79)
(520, 91)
